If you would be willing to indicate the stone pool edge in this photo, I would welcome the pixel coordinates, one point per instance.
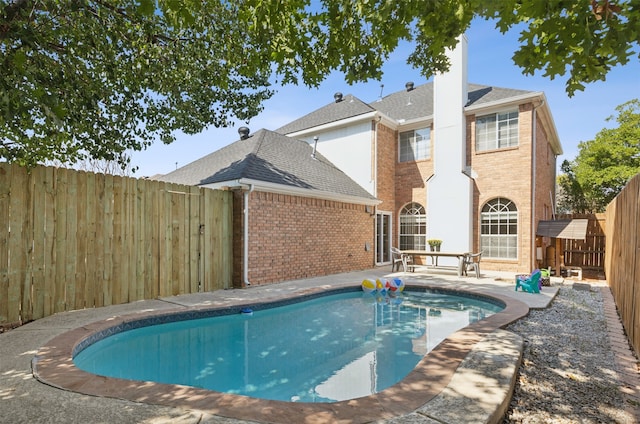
(426, 387)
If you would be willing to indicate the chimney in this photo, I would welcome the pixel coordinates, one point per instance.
(244, 133)
(449, 184)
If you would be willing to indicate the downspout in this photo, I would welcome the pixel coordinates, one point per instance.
(245, 213)
(374, 175)
(534, 156)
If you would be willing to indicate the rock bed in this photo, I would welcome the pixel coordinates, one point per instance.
(568, 373)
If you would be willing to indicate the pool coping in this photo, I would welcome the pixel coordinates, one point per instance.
(53, 365)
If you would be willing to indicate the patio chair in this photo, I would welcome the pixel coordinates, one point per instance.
(398, 258)
(530, 283)
(472, 263)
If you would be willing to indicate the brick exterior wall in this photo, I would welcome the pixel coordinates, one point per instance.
(292, 237)
(410, 181)
(387, 152)
(507, 173)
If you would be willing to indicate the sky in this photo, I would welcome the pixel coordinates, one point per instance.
(578, 118)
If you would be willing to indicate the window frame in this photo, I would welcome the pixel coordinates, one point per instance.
(411, 149)
(500, 216)
(412, 215)
(505, 133)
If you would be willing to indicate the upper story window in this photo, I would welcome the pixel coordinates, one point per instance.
(497, 131)
(415, 145)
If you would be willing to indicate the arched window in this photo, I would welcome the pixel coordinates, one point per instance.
(499, 229)
(413, 227)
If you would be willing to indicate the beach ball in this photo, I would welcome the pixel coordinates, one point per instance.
(392, 285)
(399, 284)
(368, 286)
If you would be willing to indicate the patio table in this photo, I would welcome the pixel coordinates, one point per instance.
(435, 255)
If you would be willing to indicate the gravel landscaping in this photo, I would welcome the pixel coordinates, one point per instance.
(568, 374)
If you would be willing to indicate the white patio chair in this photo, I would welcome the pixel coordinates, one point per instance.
(472, 263)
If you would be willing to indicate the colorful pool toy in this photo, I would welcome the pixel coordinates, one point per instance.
(368, 286)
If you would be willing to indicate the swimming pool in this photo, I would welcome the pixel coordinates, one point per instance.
(53, 362)
(331, 348)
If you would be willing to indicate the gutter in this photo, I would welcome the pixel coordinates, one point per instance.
(294, 191)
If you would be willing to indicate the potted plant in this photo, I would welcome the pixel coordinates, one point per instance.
(434, 244)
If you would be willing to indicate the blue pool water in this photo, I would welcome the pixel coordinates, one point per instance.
(332, 348)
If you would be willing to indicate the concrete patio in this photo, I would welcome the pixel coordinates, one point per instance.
(478, 389)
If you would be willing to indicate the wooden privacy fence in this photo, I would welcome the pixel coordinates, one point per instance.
(72, 240)
(621, 260)
(588, 253)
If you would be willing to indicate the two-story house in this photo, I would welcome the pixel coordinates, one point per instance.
(334, 190)
(469, 164)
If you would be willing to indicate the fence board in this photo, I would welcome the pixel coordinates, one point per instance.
(107, 237)
(17, 245)
(71, 208)
(82, 236)
(40, 212)
(48, 283)
(5, 189)
(154, 273)
(91, 245)
(194, 239)
(176, 237)
(26, 294)
(60, 228)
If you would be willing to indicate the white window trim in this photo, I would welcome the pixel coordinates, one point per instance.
(429, 142)
(496, 141)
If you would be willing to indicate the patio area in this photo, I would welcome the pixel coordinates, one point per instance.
(478, 389)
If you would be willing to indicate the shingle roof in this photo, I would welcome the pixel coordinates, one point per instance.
(401, 105)
(269, 157)
(349, 107)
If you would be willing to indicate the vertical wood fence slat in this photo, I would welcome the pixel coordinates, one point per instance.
(82, 236)
(18, 244)
(60, 228)
(140, 225)
(26, 291)
(154, 272)
(40, 212)
(194, 239)
(165, 283)
(91, 250)
(107, 238)
(49, 188)
(208, 242)
(72, 240)
(5, 185)
(177, 236)
(72, 259)
(118, 235)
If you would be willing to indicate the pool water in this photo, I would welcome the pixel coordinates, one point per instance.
(332, 348)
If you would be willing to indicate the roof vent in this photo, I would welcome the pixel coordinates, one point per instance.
(337, 97)
(409, 86)
(244, 133)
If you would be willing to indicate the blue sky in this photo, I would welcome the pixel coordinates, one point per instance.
(577, 119)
